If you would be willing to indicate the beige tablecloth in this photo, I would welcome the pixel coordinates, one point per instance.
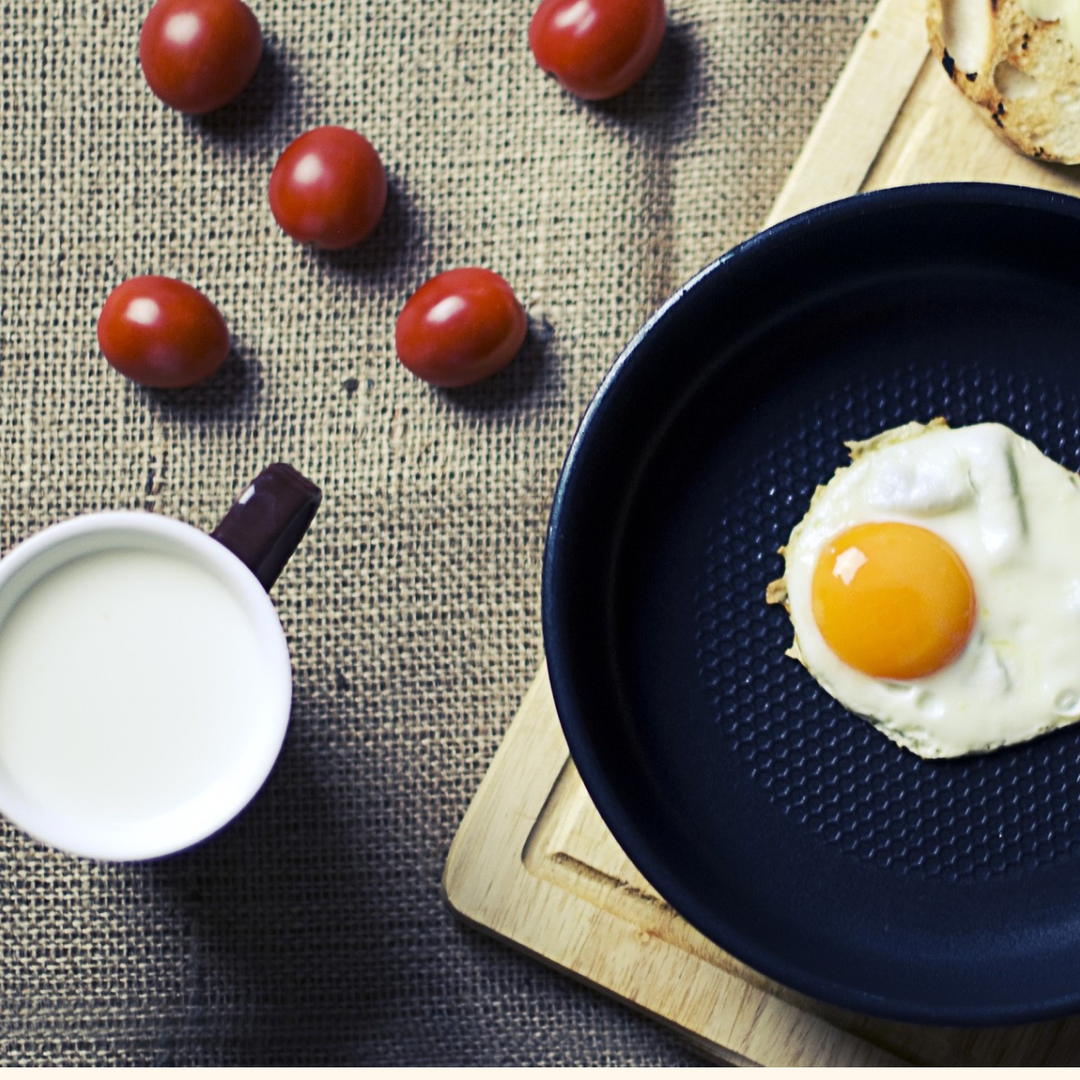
(311, 930)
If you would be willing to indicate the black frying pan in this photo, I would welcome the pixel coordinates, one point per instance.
(784, 828)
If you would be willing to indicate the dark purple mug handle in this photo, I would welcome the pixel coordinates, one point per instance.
(268, 520)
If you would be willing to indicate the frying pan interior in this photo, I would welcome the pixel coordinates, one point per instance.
(783, 827)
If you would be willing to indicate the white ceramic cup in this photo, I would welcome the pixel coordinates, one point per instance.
(145, 679)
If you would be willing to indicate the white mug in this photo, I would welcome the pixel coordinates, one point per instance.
(145, 679)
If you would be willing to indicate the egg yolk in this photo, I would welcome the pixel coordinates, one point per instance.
(892, 600)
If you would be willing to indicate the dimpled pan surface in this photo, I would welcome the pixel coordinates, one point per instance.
(784, 828)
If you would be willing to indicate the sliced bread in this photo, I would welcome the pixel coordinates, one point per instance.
(1022, 72)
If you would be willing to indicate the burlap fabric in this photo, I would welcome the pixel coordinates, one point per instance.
(311, 931)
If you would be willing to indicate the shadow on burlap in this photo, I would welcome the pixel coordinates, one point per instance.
(311, 931)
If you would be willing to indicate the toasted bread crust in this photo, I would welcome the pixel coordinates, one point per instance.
(1026, 78)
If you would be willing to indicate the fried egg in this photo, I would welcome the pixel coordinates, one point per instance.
(934, 588)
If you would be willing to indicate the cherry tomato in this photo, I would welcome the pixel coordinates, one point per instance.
(597, 48)
(197, 55)
(162, 333)
(328, 188)
(459, 327)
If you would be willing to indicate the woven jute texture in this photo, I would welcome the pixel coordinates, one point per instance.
(311, 930)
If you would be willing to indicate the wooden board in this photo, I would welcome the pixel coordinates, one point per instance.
(532, 861)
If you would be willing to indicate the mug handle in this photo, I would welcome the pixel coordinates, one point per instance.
(268, 520)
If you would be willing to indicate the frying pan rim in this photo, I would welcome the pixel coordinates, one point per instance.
(558, 643)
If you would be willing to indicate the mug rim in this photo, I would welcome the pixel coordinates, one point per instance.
(201, 816)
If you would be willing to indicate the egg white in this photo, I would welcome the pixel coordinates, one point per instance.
(1013, 516)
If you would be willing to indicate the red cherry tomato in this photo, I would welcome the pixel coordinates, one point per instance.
(197, 55)
(459, 327)
(597, 48)
(162, 333)
(328, 188)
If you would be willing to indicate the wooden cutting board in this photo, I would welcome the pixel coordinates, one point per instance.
(533, 862)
